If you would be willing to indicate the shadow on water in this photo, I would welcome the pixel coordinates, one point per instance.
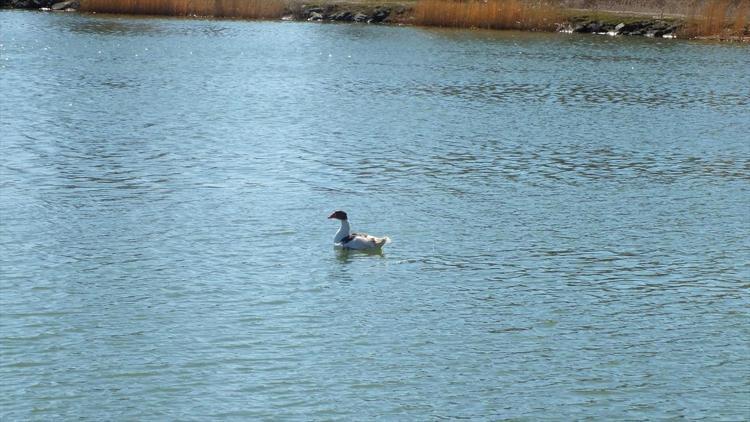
(111, 26)
(118, 25)
(567, 92)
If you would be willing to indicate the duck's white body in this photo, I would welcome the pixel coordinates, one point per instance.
(346, 239)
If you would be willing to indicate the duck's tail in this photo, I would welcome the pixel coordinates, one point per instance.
(380, 242)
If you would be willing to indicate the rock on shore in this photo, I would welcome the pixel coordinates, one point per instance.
(346, 13)
(650, 28)
(41, 4)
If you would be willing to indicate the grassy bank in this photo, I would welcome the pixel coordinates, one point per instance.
(729, 19)
(718, 18)
(248, 9)
(490, 14)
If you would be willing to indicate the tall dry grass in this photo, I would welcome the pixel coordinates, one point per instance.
(250, 9)
(723, 18)
(489, 14)
(650, 7)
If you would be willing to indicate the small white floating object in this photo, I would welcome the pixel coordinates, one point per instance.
(361, 241)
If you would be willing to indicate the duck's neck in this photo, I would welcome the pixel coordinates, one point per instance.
(343, 231)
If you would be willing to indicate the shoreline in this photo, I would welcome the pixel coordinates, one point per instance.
(581, 21)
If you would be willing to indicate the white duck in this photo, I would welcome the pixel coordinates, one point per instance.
(346, 239)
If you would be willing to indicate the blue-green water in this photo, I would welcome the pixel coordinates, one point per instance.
(569, 218)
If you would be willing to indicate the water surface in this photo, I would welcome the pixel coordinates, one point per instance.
(569, 216)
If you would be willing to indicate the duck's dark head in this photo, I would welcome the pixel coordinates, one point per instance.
(338, 215)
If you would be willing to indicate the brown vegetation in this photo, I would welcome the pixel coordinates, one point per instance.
(250, 9)
(722, 18)
(654, 8)
(490, 14)
(703, 18)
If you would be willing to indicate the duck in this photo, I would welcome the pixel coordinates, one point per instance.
(360, 241)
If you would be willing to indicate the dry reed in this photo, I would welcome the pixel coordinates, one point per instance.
(722, 18)
(490, 14)
(250, 9)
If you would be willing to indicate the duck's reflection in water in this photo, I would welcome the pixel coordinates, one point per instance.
(346, 256)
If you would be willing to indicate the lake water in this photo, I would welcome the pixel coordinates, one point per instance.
(569, 217)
